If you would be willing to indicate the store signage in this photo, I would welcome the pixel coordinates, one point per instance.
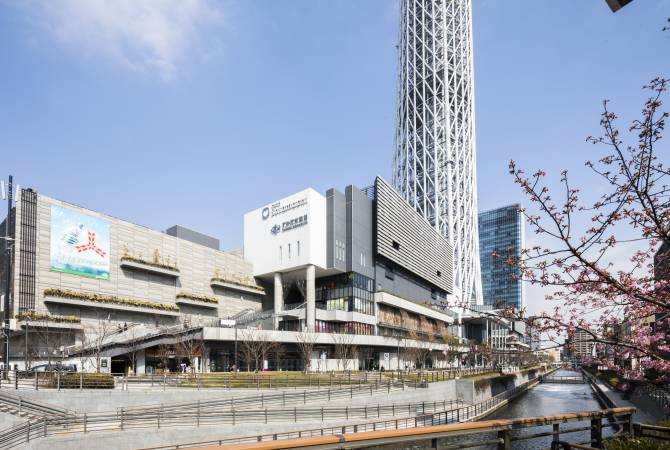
(278, 208)
(287, 225)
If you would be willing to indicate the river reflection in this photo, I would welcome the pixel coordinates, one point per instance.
(543, 400)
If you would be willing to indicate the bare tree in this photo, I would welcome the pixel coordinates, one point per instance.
(165, 351)
(132, 346)
(268, 347)
(252, 346)
(93, 340)
(306, 340)
(345, 349)
(190, 347)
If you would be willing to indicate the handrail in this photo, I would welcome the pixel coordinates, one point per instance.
(376, 438)
(24, 404)
(282, 398)
(456, 415)
(421, 414)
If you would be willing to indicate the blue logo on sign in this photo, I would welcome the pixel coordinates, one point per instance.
(275, 230)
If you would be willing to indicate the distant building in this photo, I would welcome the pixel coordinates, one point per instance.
(580, 345)
(501, 237)
(193, 236)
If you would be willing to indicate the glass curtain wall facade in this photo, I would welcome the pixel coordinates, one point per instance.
(501, 237)
(346, 292)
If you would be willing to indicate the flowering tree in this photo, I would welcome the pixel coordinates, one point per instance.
(623, 308)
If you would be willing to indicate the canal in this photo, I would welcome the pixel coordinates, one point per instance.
(544, 399)
(548, 399)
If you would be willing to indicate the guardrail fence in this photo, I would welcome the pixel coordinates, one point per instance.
(504, 434)
(224, 380)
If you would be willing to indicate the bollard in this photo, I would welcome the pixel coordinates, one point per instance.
(555, 434)
(596, 433)
(505, 440)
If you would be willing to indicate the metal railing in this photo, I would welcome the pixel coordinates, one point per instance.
(501, 433)
(228, 380)
(245, 410)
(454, 415)
(58, 380)
(284, 398)
(563, 379)
(658, 395)
(168, 416)
(22, 406)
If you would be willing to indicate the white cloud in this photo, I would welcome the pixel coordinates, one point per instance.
(154, 36)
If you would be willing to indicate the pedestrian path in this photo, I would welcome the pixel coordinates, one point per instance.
(619, 401)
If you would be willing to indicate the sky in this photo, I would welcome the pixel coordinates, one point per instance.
(194, 112)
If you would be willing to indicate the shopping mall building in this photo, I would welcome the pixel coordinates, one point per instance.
(361, 264)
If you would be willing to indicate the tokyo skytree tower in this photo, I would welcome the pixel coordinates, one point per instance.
(434, 162)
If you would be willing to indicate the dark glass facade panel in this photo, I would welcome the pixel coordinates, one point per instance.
(346, 292)
(501, 231)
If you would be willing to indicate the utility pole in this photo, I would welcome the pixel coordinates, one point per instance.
(8, 271)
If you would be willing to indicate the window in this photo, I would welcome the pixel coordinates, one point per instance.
(396, 245)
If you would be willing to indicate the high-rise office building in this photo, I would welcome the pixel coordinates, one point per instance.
(434, 164)
(501, 237)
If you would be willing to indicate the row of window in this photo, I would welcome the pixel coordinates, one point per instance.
(296, 248)
(355, 304)
(343, 327)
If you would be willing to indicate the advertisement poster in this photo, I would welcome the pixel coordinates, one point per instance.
(79, 244)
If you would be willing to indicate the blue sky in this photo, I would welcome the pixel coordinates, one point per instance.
(194, 112)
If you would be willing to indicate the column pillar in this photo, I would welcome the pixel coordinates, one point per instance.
(140, 362)
(279, 299)
(310, 297)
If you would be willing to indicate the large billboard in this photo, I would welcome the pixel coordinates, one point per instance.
(79, 244)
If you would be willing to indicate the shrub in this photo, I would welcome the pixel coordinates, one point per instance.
(633, 443)
(101, 298)
(87, 381)
(151, 262)
(35, 316)
(198, 298)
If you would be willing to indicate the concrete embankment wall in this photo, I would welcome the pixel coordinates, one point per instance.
(109, 400)
(479, 390)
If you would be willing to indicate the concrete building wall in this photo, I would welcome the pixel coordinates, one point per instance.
(336, 230)
(197, 265)
(360, 232)
(394, 281)
(408, 240)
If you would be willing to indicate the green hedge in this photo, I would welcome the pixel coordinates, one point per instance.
(89, 381)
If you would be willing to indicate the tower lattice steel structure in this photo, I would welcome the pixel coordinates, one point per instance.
(434, 163)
